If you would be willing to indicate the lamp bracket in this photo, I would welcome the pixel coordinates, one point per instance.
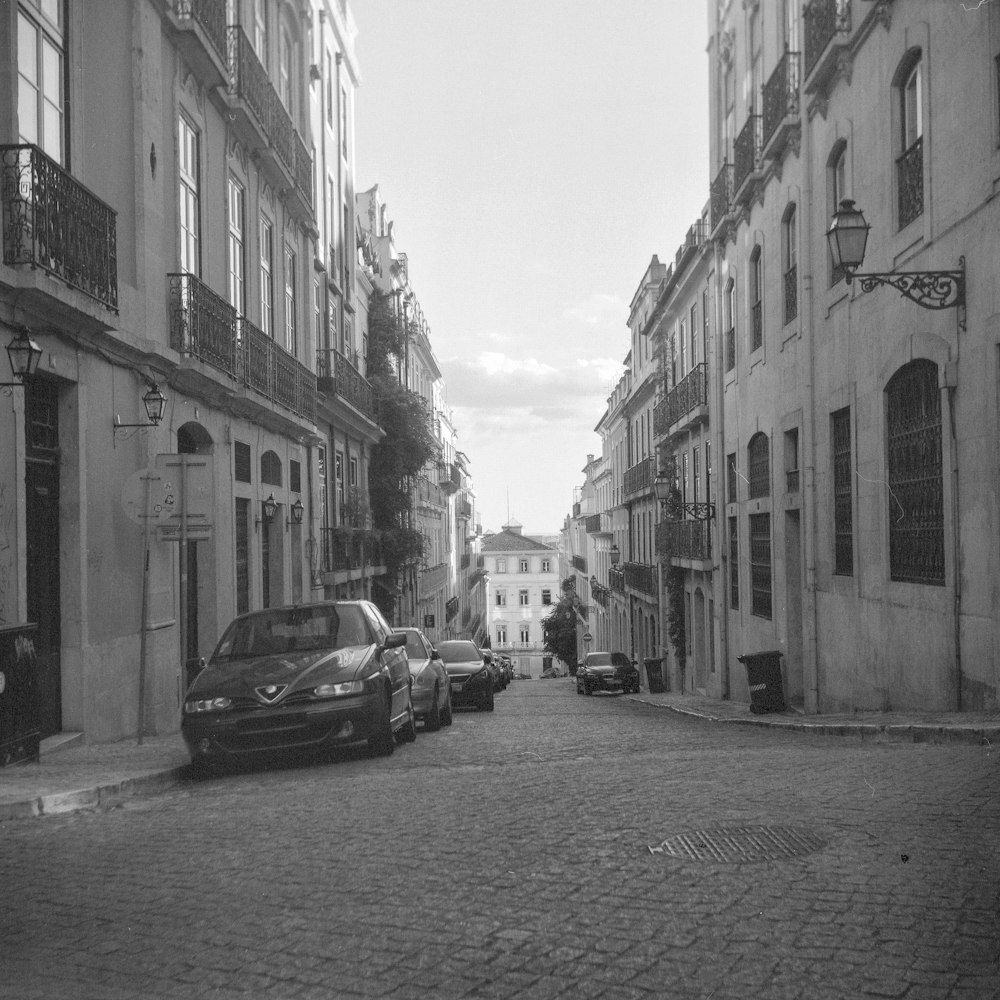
(698, 511)
(929, 289)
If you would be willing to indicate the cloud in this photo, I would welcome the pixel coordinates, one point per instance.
(599, 309)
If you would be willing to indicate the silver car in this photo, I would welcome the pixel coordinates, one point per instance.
(431, 687)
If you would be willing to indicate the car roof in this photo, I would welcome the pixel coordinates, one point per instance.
(304, 605)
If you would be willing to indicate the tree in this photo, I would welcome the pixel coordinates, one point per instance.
(407, 447)
(559, 625)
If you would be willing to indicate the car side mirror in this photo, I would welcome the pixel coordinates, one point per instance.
(435, 655)
(394, 640)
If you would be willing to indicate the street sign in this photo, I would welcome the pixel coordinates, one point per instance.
(587, 637)
(187, 479)
(161, 497)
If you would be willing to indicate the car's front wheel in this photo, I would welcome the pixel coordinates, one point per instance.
(381, 743)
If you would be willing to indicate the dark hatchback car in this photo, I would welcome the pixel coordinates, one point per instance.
(471, 676)
(312, 676)
(613, 672)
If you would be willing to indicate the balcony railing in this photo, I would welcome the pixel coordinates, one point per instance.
(463, 509)
(791, 279)
(721, 195)
(685, 397)
(338, 375)
(746, 152)
(346, 550)
(639, 478)
(53, 222)
(823, 20)
(689, 539)
(450, 477)
(355, 511)
(204, 326)
(210, 15)
(756, 325)
(642, 577)
(781, 94)
(616, 580)
(593, 524)
(910, 183)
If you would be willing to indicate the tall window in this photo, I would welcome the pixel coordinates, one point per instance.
(696, 475)
(837, 183)
(756, 309)
(682, 345)
(329, 89)
(916, 485)
(730, 321)
(289, 300)
(237, 246)
(732, 491)
(270, 469)
(759, 464)
(338, 474)
(708, 471)
(285, 70)
(522, 598)
(190, 255)
(694, 334)
(734, 563)
(843, 493)
(522, 566)
(501, 598)
(40, 76)
(704, 325)
(790, 263)
(910, 161)
(524, 630)
(242, 531)
(260, 30)
(343, 120)
(266, 276)
(760, 565)
(501, 634)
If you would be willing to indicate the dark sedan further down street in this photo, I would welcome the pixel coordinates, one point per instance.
(606, 672)
(431, 684)
(312, 676)
(470, 674)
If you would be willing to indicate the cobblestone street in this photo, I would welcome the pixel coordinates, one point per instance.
(509, 856)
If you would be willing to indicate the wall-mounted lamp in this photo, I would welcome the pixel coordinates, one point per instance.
(615, 554)
(24, 355)
(666, 492)
(268, 509)
(154, 401)
(848, 237)
(297, 511)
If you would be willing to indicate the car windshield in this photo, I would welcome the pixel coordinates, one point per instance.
(414, 647)
(293, 630)
(459, 651)
(598, 659)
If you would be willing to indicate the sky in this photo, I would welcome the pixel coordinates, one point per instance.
(533, 155)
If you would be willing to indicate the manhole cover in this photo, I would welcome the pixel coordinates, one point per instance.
(741, 843)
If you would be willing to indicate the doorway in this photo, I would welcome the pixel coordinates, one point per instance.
(793, 608)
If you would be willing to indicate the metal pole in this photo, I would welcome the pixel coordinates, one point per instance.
(183, 616)
(144, 624)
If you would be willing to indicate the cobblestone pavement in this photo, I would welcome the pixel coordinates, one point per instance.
(509, 857)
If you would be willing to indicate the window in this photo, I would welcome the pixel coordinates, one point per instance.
(546, 566)
(693, 328)
(40, 107)
(916, 485)
(790, 261)
(501, 565)
(295, 476)
(704, 326)
(237, 245)
(270, 469)
(682, 345)
(546, 597)
(338, 476)
(290, 343)
(524, 631)
(685, 478)
(343, 120)
(843, 493)
(760, 565)
(756, 317)
(522, 598)
(241, 462)
(329, 89)
(501, 598)
(190, 255)
(910, 159)
(759, 463)
(501, 635)
(734, 563)
(321, 483)
(522, 566)
(266, 276)
(260, 30)
(730, 322)
(285, 71)
(708, 472)
(696, 475)
(792, 460)
(318, 325)
(352, 471)
(242, 526)
(347, 251)
(837, 183)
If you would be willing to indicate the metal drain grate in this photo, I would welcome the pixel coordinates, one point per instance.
(741, 843)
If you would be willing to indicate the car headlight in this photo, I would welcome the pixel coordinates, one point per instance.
(339, 690)
(207, 705)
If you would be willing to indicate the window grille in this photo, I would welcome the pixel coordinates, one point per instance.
(758, 460)
(916, 485)
(241, 454)
(270, 469)
(734, 563)
(843, 494)
(760, 564)
(731, 488)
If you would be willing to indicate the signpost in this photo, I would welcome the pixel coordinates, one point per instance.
(587, 637)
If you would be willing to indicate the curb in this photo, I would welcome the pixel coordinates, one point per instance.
(92, 799)
(915, 732)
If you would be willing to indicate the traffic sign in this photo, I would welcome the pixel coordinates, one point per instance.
(587, 637)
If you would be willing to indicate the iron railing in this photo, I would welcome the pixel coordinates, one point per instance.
(642, 577)
(910, 183)
(616, 580)
(580, 564)
(463, 509)
(791, 293)
(687, 539)
(345, 380)
(210, 15)
(349, 550)
(823, 20)
(721, 195)
(639, 478)
(690, 393)
(355, 511)
(756, 326)
(730, 348)
(746, 150)
(781, 94)
(53, 222)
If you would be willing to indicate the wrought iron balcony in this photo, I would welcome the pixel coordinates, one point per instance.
(721, 197)
(781, 105)
(450, 477)
(827, 22)
(747, 156)
(51, 221)
(205, 326)
(688, 397)
(349, 551)
(910, 183)
(337, 376)
(687, 539)
(638, 479)
(641, 577)
(451, 608)
(597, 524)
(463, 509)
(579, 564)
(201, 37)
(694, 238)
(616, 580)
(355, 511)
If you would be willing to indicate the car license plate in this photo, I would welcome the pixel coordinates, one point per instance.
(456, 686)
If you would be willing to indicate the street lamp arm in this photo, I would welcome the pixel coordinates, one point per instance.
(930, 289)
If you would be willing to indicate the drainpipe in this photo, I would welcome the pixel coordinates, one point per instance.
(951, 380)
(720, 506)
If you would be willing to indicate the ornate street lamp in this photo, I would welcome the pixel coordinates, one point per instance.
(154, 402)
(670, 503)
(24, 355)
(848, 237)
(615, 554)
(269, 508)
(298, 510)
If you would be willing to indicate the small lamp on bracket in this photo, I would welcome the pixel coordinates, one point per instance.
(154, 401)
(24, 355)
(297, 511)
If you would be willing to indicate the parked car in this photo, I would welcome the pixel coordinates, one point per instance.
(606, 672)
(470, 674)
(508, 669)
(431, 684)
(496, 668)
(308, 676)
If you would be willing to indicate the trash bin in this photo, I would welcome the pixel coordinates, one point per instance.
(767, 692)
(654, 675)
(19, 723)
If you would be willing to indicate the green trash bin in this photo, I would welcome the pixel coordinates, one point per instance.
(767, 692)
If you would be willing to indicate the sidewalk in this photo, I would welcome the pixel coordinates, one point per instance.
(74, 776)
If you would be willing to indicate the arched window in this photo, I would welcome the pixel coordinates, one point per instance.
(836, 174)
(910, 142)
(756, 309)
(759, 464)
(730, 322)
(270, 469)
(916, 484)
(790, 263)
